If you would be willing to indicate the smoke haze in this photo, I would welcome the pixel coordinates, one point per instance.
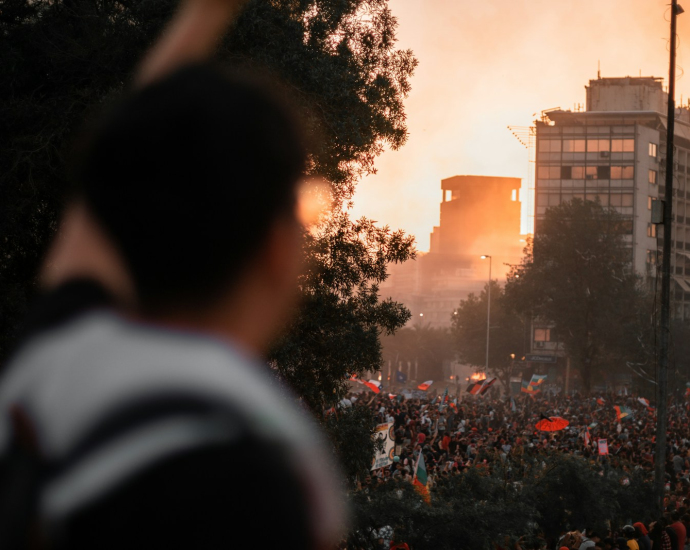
(486, 65)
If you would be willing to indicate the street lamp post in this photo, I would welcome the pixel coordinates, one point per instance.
(488, 315)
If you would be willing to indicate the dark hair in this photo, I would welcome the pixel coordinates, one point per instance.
(186, 176)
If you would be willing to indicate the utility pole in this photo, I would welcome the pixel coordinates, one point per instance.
(664, 328)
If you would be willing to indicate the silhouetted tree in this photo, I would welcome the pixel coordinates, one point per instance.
(61, 60)
(577, 274)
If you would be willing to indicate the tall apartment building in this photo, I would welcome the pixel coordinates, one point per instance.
(615, 151)
(479, 215)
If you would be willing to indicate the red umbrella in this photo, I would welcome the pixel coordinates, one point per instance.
(551, 424)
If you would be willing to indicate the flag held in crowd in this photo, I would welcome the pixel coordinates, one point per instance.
(400, 377)
(486, 385)
(373, 385)
(474, 388)
(532, 387)
(481, 387)
(421, 479)
(622, 412)
(645, 402)
(425, 385)
(537, 379)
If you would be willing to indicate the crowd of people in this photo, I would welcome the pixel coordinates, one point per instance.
(457, 433)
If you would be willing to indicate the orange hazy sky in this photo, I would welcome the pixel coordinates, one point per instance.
(484, 65)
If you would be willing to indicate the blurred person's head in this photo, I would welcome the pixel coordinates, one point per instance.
(193, 180)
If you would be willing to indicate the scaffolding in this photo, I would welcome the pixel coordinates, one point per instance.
(527, 136)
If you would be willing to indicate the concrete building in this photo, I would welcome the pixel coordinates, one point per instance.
(479, 215)
(614, 151)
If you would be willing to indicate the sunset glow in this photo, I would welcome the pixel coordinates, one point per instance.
(486, 66)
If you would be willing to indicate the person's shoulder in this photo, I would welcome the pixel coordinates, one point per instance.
(102, 360)
(104, 382)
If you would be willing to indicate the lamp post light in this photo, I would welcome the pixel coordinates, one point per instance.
(488, 314)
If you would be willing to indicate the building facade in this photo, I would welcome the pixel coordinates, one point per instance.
(480, 215)
(614, 152)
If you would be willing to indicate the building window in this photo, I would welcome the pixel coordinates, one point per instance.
(549, 172)
(652, 150)
(652, 177)
(621, 199)
(651, 257)
(566, 172)
(548, 199)
(590, 172)
(622, 172)
(622, 145)
(549, 145)
(651, 230)
(542, 334)
(578, 172)
(603, 172)
(598, 145)
(574, 145)
(649, 202)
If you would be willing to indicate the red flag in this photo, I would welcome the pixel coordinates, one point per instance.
(425, 385)
(373, 385)
(474, 388)
(486, 385)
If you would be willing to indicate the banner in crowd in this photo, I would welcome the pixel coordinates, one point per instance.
(384, 457)
(603, 447)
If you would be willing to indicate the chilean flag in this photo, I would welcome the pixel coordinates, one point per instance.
(425, 385)
(645, 402)
(373, 385)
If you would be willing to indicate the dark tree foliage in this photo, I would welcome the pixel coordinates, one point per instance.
(577, 274)
(509, 336)
(63, 59)
(530, 497)
(337, 333)
(340, 57)
(352, 443)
